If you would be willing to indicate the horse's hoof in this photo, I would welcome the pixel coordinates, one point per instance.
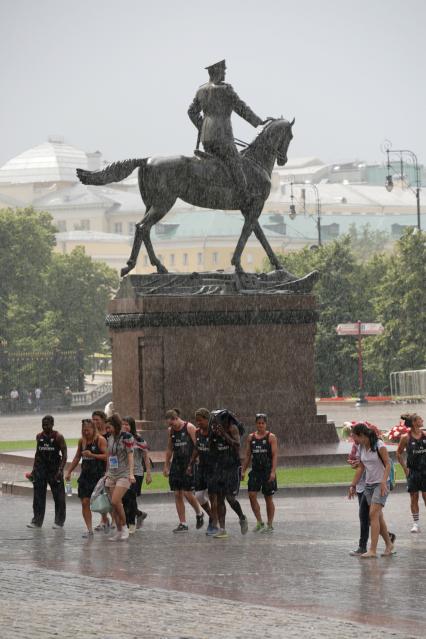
(162, 269)
(125, 270)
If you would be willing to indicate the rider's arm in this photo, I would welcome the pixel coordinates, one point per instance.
(194, 113)
(243, 110)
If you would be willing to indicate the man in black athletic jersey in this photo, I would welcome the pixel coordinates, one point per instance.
(49, 463)
(179, 451)
(225, 471)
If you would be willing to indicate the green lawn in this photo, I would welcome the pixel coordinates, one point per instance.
(26, 444)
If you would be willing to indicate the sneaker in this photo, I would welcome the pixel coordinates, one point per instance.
(140, 519)
(415, 528)
(88, 534)
(33, 525)
(181, 528)
(132, 529)
(221, 534)
(244, 525)
(211, 530)
(200, 521)
(267, 529)
(124, 533)
(359, 551)
(259, 526)
(57, 526)
(115, 537)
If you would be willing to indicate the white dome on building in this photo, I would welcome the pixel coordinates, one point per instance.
(52, 161)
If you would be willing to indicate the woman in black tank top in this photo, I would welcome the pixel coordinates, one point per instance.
(92, 450)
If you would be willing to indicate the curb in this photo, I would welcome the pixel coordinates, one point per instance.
(318, 490)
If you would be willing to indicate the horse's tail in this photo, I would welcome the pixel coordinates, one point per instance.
(112, 173)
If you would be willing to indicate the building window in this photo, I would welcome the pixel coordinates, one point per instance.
(131, 228)
(215, 258)
(83, 225)
(199, 258)
(185, 259)
(118, 227)
(172, 259)
(145, 260)
(61, 225)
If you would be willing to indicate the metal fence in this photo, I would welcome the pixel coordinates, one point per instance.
(408, 384)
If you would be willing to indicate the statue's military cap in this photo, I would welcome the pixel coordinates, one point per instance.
(216, 65)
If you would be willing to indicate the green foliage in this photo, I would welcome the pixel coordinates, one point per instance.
(48, 301)
(359, 283)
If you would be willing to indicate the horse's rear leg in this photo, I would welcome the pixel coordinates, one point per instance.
(137, 242)
(154, 215)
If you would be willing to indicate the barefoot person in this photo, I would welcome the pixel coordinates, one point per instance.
(262, 452)
(49, 463)
(119, 474)
(374, 459)
(92, 450)
(414, 443)
(180, 447)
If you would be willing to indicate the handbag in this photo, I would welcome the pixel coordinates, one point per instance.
(100, 501)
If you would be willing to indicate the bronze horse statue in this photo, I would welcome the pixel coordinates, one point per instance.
(203, 181)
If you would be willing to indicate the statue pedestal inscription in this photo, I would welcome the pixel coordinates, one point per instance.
(216, 346)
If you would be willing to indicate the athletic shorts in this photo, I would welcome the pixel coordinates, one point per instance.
(86, 485)
(112, 482)
(179, 479)
(259, 480)
(416, 482)
(224, 481)
(201, 477)
(373, 496)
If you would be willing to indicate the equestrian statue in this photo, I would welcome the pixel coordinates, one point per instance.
(219, 177)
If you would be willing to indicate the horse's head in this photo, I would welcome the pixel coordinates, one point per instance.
(281, 136)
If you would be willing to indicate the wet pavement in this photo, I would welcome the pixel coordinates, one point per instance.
(299, 581)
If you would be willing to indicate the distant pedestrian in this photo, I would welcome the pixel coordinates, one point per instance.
(414, 443)
(37, 398)
(374, 459)
(92, 451)
(180, 445)
(262, 453)
(68, 397)
(49, 463)
(14, 400)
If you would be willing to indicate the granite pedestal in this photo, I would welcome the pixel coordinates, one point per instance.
(247, 352)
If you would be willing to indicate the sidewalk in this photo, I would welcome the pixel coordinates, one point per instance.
(297, 582)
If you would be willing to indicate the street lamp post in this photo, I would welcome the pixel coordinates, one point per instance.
(389, 181)
(292, 212)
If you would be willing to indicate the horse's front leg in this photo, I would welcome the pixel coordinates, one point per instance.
(247, 229)
(258, 231)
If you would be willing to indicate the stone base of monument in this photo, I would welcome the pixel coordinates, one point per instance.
(249, 350)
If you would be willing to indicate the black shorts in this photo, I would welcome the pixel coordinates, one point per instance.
(86, 485)
(179, 479)
(416, 482)
(259, 480)
(201, 476)
(224, 481)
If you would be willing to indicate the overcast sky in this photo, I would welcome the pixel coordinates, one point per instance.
(118, 76)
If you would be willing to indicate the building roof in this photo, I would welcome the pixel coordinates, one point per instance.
(82, 195)
(52, 161)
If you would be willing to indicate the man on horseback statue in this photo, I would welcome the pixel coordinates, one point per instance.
(217, 100)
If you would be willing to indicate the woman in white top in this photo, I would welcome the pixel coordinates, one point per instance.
(374, 459)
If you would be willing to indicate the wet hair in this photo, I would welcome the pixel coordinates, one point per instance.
(88, 422)
(409, 419)
(172, 414)
(362, 429)
(177, 410)
(47, 420)
(131, 421)
(263, 416)
(115, 421)
(202, 412)
(99, 413)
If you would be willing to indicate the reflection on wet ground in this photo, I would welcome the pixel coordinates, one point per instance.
(304, 566)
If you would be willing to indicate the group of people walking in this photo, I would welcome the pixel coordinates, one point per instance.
(203, 464)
